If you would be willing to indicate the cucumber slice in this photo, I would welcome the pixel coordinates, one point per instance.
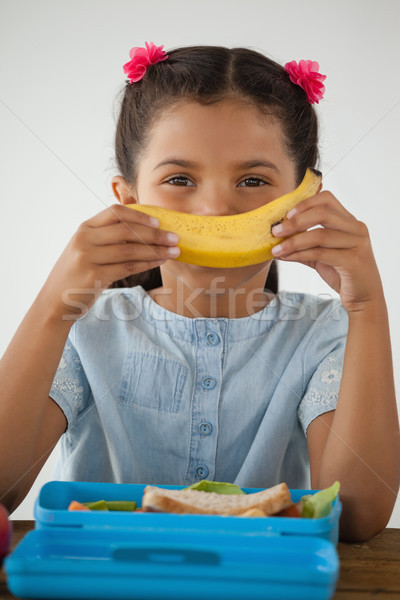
(216, 486)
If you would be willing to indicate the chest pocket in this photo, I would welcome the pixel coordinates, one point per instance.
(153, 382)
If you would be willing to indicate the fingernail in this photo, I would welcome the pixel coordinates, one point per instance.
(276, 249)
(291, 213)
(277, 230)
(175, 251)
(173, 237)
(154, 222)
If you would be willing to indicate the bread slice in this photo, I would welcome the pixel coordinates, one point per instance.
(270, 501)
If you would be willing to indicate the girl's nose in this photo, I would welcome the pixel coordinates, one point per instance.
(215, 201)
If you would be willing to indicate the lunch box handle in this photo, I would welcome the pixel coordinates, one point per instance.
(165, 555)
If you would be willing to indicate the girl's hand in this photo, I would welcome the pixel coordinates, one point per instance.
(339, 249)
(112, 245)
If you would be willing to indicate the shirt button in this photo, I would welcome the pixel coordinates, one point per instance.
(212, 338)
(208, 383)
(205, 428)
(201, 471)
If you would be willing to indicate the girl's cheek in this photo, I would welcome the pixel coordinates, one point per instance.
(165, 196)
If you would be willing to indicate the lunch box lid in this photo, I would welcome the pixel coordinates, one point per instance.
(119, 555)
(100, 564)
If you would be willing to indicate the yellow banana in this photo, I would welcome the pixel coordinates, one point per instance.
(230, 240)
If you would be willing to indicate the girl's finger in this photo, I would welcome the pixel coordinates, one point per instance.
(120, 253)
(322, 198)
(334, 257)
(114, 272)
(123, 232)
(117, 213)
(324, 215)
(321, 237)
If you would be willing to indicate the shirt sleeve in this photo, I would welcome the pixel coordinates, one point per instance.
(323, 389)
(70, 388)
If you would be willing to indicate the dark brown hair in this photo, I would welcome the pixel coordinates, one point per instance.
(209, 74)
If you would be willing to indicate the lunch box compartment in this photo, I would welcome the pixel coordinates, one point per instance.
(54, 498)
(121, 555)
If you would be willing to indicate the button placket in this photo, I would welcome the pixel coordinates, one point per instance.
(208, 354)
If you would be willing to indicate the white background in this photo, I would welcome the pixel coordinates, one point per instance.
(60, 72)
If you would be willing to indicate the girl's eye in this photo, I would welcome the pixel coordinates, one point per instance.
(252, 182)
(180, 180)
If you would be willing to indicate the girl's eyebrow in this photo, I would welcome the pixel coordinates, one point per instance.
(249, 164)
(177, 162)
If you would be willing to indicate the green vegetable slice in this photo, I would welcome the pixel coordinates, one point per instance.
(316, 506)
(215, 486)
(125, 505)
(98, 505)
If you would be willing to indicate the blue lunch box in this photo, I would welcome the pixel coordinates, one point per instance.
(114, 555)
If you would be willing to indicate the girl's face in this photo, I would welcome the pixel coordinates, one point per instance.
(221, 159)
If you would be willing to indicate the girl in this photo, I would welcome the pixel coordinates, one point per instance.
(189, 372)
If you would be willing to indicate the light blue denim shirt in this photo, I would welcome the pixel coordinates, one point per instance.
(154, 397)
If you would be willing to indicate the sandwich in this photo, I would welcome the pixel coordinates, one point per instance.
(192, 501)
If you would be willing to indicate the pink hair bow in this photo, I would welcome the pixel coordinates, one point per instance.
(142, 59)
(305, 74)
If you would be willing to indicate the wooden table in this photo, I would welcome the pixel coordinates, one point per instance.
(369, 570)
